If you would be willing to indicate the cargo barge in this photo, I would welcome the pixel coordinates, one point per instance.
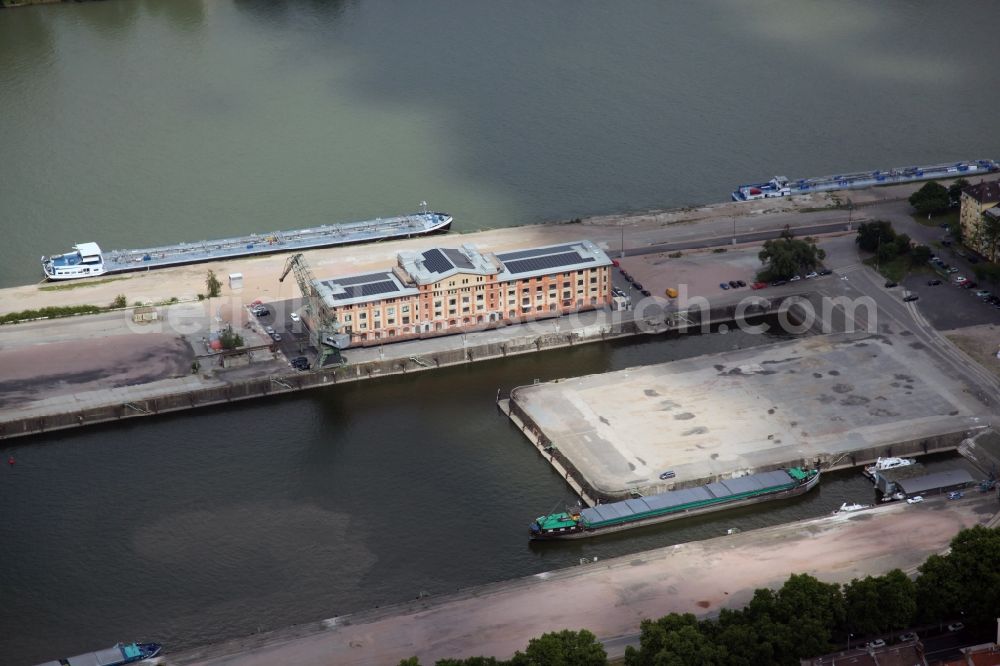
(674, 504)
(779, 186)
(87, 260)
(115, 655)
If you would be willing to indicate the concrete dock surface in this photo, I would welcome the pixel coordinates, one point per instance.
(612, 597)
(733, 413)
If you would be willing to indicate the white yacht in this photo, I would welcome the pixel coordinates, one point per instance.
(883, 464)
(847, 508)
(85, 260)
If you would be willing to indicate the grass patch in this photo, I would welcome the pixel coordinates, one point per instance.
(950, 218)
(894, 270)
(64, 286)
(50, 312)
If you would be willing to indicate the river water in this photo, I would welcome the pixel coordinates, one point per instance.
(138, 122)
(133, 123)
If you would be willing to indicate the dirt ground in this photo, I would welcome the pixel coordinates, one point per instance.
(62, 368)
(982, 343)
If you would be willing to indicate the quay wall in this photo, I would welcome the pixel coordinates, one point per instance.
(290, 383)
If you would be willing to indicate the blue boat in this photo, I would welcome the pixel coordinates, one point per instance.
(779, 186)
(119, 653)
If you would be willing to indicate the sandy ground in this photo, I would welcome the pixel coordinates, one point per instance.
(63, 368)
(611, 598)
(982, 343)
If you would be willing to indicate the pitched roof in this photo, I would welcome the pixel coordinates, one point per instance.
(987, 192)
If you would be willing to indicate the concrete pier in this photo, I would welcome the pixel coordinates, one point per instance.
(829, 400)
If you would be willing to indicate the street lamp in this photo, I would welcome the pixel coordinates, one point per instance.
(734, 229)
(623, 239)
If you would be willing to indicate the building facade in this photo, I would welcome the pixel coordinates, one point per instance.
(979, 230)
(450, 290)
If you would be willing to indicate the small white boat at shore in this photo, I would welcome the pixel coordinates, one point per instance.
(848, 508)
(883, 464)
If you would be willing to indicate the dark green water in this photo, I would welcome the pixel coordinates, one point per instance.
(143, 122)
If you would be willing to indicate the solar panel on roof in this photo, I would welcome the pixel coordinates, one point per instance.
(436, 262)
(357, 279)
(534, 252)
(369, 289)
(546, 262)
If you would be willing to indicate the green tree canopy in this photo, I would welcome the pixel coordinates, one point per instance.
(212, 284)
(785, 257)
(931, 198)
(880, 604)
(872, 235)
(562, 648)
(955, 191)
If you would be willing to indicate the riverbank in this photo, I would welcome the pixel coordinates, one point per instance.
(612, 597)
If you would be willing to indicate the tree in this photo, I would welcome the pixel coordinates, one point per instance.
(785, 257)
(920, 255)
(989, 236)
(674, 640)
(872, 235)
(563, 648)
(880, 604)
(119, 302)
(213, 285)
(469, 661)
(931, 198)
(229, 339)
(987, 272)
(955, 191)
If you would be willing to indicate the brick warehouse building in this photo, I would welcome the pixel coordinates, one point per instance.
(448, 290)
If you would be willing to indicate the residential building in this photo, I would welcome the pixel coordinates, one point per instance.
(449, 290)
(976, 201)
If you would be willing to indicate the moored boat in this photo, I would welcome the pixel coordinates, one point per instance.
(674, 504)
(87, 259)
(853, 506)
(119, 653)
(882, 464)
(779, 186)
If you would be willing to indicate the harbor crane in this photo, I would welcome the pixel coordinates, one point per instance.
(324, 329)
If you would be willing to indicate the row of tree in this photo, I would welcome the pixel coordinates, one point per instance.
(787, 256)
(804, 618)
(879, 237)
(934, 198)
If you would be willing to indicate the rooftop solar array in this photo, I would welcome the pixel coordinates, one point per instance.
(357, 279)
(436, 262)
(367, 289)
(545, 262)
(673, 498)
(533, 252)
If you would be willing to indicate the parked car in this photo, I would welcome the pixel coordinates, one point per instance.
(955, 495)
(889, 284)
(733, 284)
(982, 293)
(875, 644)
(759, 285)
(961, 280)
(825, 271)
(810, 276)
(933, 283)
(956, 626)
(645, 292)
(778, 283)
(276, 337)
(269, 330)
(295, 316)
(638, 285)
(614, 262)
(741, 283)
(953, 269)
(795, 278)
(724, 285)
(908, 637)
(969, 284)
(910, 297)
(916, 499)
(669, 474)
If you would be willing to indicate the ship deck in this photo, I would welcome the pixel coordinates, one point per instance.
(326, 235)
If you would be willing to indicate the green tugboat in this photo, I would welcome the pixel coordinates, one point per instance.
(673, 504)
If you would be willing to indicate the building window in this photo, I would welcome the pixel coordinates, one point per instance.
(406, 320)
(512, 313)
(362, 326)
(465, 299)
(362, 315)
(390, 312)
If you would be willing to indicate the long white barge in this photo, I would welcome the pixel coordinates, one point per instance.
(87, 259)
(779, 186)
